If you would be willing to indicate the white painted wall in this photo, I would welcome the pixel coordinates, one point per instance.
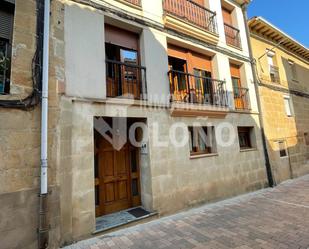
(215, 5)
(153, 10)
(84, 52)
(154, 57)
(221, 68)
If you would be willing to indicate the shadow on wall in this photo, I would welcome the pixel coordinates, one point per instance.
(298, 83)
(289, 144)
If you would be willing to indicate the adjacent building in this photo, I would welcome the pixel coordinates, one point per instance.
(174, 75)
(282, 66)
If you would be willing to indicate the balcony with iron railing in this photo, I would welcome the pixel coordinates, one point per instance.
(274, 74)
(125, 80)
(191, 18)
(232, 36)
(192, 89)
(241, 98)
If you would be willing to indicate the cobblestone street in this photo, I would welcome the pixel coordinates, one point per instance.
(270, 218)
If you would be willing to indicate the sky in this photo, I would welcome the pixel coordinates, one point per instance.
(291, 16)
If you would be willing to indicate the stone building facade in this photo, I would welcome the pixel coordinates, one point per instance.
(283, 70)
(137, 60)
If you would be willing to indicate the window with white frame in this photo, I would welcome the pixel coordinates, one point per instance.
(288, 106)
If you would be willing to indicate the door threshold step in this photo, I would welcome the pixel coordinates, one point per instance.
(122, 219)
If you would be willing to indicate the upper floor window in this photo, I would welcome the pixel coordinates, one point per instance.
(288, 106)
(293, 70)
(124, 75)
(232, 34)
(241, 93)
(190, 78)
(6, 35)
(273, 69)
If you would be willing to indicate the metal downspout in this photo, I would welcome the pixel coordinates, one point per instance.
(43, 230)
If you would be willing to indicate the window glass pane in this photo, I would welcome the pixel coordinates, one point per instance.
(235, 82)
(287, 106)
(201, 140)
(282, 149)
(198, 81)
(128, 56)
(133, 161)
(244, 137)
(134, 187)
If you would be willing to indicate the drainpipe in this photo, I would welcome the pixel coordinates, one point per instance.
(270, 178)
(43, 221)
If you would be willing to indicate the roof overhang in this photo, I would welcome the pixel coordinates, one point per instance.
(262, 28)
(241, 2)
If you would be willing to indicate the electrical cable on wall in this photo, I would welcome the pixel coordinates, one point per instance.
(34, 98)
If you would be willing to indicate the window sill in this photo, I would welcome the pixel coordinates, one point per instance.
(203, 155)
(248, 149)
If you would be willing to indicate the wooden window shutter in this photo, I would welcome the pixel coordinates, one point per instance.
(227, 16)
(201, 61)
(235, 70)
(176, 52)
(121, 37)
(6, 20)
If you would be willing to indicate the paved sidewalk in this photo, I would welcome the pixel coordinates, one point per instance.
(270, 218)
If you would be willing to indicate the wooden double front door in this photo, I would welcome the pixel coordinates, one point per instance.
(117, 183)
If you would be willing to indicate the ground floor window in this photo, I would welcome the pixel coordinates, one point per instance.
(246, 137)
(282, 149)
(202, 140)
(306, 135)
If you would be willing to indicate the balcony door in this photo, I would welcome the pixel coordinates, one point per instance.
(203, 87)
(237, 87)
(188, 73)
(179, 81)
(122, 55)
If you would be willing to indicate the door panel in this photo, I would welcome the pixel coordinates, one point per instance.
(238, 91)
(109, 192)
(107, 159)
(113, 178)
(123, 190)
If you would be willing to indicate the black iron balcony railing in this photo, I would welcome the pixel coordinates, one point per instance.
(232, 35)
(189, 88)
(193, 13)
(5, 65)
(274, 74)
(241, 98)
(125, 80)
